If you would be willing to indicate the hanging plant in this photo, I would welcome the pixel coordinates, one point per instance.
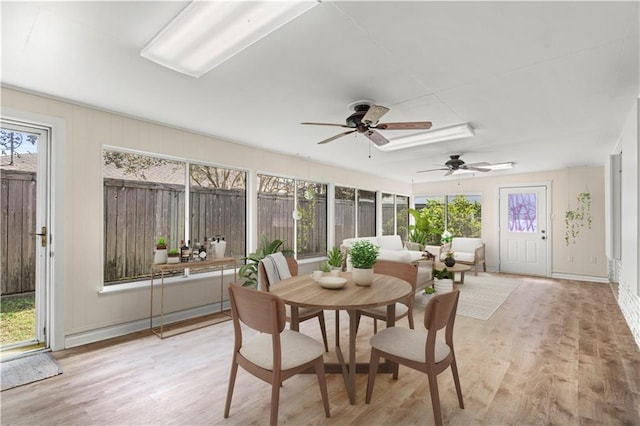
(575, 220)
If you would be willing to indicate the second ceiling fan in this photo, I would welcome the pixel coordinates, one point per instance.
(455, 163)
(365, 119)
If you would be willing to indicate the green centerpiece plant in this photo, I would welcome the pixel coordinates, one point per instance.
(363, 255)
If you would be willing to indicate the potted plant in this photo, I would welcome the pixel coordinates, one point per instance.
(250, 271)
(173, 256)
(335, 258)
(442, 279)
(449, 260)
(364, 255)
(160, 253)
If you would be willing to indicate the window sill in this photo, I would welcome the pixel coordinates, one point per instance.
(145, 284)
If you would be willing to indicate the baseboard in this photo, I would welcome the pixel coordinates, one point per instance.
(118, 330)
(589, 278)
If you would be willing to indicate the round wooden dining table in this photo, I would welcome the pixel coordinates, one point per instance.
(303, 291)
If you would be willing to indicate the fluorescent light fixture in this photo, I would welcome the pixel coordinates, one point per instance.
(207, 33)
(457, 131)
(497, 166)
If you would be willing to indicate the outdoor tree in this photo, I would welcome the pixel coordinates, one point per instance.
(464, 217)
(11, 141)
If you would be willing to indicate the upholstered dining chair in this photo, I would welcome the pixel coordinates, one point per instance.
(420, 351)
(276, 353)
(405, 271)
(303, 313)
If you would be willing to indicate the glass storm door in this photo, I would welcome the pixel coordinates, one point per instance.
(24, 234)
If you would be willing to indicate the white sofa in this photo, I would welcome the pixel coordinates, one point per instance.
(468, 251)
(391, 248)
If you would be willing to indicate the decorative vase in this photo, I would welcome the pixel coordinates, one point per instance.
(160, 256)
(449, 261)
(443, 285)
(335, 272)
(362, 277)
(173, 259)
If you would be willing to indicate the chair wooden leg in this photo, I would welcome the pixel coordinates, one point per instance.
(232, 382)
(373, 371)
(410, 317)
(375, 326)
(322, 381)
(484, 266)
(456, 380)
(275, 401)
(323, 330)
(435, 398)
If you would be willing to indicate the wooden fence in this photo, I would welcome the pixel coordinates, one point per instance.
(137, 213)
(17, 222)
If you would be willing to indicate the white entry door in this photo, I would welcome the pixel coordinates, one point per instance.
(524, 239)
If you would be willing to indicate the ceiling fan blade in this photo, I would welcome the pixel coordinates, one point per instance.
(374, 113)
(409, 125)
(336, 137)
(325, 124)
(376, 137)
(450, 172)
(430, 170)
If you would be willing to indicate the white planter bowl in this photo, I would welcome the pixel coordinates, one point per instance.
(362, 277)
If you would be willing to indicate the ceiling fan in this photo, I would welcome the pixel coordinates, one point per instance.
(455, 163)
(364, 119)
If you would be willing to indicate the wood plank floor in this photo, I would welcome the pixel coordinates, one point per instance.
(556, 352)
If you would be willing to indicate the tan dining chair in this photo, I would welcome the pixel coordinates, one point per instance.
(303, 313)
(420, 351)
(404, 308)
(275, 354)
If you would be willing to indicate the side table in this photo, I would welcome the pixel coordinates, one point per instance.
(163, 269)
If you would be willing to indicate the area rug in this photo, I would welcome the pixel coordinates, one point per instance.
(28, 369)
(481, 296)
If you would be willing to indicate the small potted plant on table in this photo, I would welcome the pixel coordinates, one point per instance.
(364, 255)
(173, 256)
(442, 280)
(160, 253)
(334, 259)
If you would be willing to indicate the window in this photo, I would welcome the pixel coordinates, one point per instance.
(522, 212)
(459, 214)
(293, 211)
(145, 198)
(395, 215)
(366, 202)
(345, 213)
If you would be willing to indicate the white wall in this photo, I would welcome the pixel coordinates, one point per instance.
(628, 285)
(90, 314)
(589, 259)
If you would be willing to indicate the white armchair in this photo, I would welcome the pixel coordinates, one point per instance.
(468, 251)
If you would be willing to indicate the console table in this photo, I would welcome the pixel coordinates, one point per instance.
(163, 269)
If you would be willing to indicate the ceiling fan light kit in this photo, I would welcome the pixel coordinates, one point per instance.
(207, 33)
(458, 131)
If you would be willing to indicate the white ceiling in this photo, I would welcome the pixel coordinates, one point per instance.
(547, 85)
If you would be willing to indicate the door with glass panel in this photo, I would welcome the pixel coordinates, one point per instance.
(524, 239)
(24, 234)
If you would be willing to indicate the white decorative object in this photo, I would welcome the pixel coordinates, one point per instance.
(221, 247)
(160, 256)
(335, 272)
(332, 282)
(173, 259)
(442, 286)
(362, 277)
